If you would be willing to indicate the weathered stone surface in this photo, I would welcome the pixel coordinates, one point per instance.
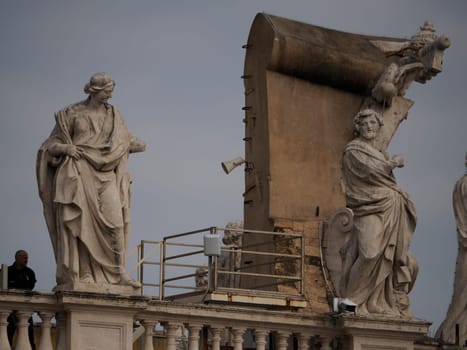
(378, 270)
(457, 312)
(381, 333)
(85, 191)
(93, 329)
(77, 312)
(316, 291)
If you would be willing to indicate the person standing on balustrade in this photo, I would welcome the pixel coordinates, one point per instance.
(21, 277)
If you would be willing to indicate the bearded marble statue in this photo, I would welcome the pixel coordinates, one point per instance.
(378, 270)
(457, 312)
(85, 189)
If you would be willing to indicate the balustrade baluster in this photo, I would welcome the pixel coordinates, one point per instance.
(260, 335)
(216, 337)
(4, 344)
(46, 339)
(193, 337)
(148, 334)
(305, 341)
(238, 338)
(171, 334)
(326, 342)
(22, 338)
(282, 340)
(60, 330)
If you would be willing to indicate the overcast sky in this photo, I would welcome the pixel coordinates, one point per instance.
(177, 65)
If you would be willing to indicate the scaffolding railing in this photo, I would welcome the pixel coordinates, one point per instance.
(178, 264)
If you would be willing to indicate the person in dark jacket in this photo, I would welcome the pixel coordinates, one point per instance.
(21, 277)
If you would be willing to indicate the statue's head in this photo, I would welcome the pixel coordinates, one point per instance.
(201, 277)
(231, 235)
(364, 115)
(99, 82)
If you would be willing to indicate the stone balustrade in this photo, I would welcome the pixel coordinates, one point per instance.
(111, 320)
(24, 304)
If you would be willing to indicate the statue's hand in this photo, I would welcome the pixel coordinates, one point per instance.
(397, 161)
(73, 151)
(62, 149)
(137, 145)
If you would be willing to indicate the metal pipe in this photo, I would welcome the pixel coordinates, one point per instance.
(168, 244)
(138, 269)
(270, 233)
(184, 255)
(302, 263)
(209, 273)
(141, 267)
(162, 271)
(180, 277)
(184, 265)
(187, 233)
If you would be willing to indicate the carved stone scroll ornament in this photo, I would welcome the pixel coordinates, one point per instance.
(335, 236)
(419, 59)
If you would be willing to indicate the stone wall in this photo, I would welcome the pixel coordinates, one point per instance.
(317, 292)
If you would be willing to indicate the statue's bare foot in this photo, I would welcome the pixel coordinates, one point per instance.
(362, 310)
(127, 280)
(86, 278)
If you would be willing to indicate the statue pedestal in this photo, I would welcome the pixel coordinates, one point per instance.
(115, 289)
(371, 333)
(93, 330)
(87, 323)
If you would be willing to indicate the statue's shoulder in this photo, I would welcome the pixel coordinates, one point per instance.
(73, 110)
(113, 109)
(355, 144)
(115, 112)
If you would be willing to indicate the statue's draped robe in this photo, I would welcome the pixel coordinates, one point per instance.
(86, 201)
(457, 312)
(377, 269)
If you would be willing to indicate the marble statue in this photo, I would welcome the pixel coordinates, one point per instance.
(231, 260)
(378, 271)
(457, 312)
(85, 190)
(201, 278)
